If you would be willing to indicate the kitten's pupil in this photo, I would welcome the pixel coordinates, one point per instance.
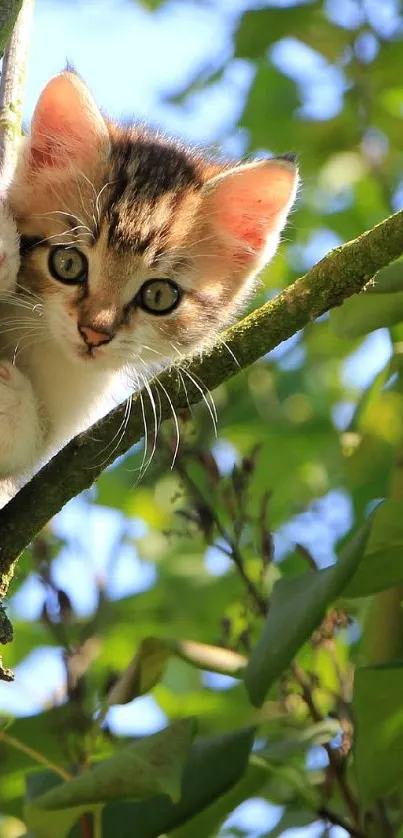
(68, 264)
(158, 296)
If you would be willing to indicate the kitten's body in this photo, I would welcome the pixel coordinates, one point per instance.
(66, 402)
(135, 250)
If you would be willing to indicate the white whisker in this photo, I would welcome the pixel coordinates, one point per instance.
(20, 348)
(144, 425)
(18, 302)
(69, 215)
(97, 207)
(72, 243)
(229, 350)
(175, 420)
(29, 292)
(152, 402)
(194, 379)
(150, 349)
(118, 435)
(210, 407)
(183, 382)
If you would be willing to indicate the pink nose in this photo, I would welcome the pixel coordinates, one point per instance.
(94, 337)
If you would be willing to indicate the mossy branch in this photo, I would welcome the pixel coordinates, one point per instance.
(15, 30)
(343, 272)
(15, 27)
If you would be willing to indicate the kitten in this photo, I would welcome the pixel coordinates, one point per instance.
(134, 248)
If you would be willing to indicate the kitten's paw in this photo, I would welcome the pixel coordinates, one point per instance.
(5, 372)
(11, 377)
(20, 432)
(9, 250)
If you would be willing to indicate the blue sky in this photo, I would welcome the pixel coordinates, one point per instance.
(131, 59)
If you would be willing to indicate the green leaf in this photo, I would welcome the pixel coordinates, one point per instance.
(378, 713)
(214, 767)
(297, 606)
(283, 749)
(210, 819)
(291, 819)
(293, 777)
(366, 312)
(211, 658)
(40, 782)
(142, 673)
(388, 280)
(378, 306)
(148, 666)
(271, 93)
(147, 767)
(202, 81)
(41, 733)
(259, 28)
(151, 5)
(382, 564)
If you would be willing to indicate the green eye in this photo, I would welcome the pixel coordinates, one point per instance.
(68, 265)
(158, 296)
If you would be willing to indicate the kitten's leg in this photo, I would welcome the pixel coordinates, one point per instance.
(9, 249)
(20, 429)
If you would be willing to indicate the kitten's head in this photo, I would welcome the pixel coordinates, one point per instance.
(139, 248)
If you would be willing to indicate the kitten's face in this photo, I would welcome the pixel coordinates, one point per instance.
(139, 249)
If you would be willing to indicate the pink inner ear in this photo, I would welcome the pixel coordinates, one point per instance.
(251, 203)
(66, 124)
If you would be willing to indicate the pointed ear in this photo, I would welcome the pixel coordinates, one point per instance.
(67, 126)
(248, 207)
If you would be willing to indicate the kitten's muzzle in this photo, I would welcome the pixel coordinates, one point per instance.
(95, 337)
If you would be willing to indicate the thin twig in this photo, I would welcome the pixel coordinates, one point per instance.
(336, 820)
(97, 823)
(262, 608)
(307, 555)
(85, 825)
(383, 819)
(335, 766)
(6, 674)
(15, 20)
(11, 91)
(233, 552)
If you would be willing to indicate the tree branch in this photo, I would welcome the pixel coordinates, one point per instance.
(12, 80)
(15, 26)
(343, 272)
(8, 15)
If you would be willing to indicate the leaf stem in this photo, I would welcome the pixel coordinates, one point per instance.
(233, 553)
(97, 823)
(335, 765)
(34, 754)
(15, 26)
(336, 820)
(85, 825)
